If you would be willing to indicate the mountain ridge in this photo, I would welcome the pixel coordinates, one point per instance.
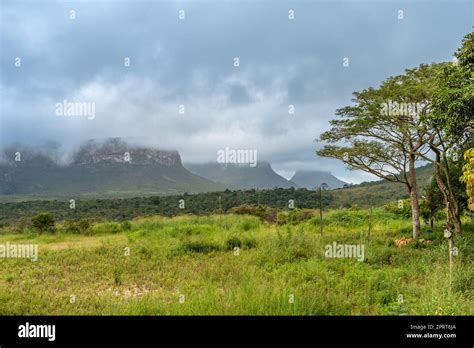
(105, 168)
(312, 179)
(116, 169)
(241, 176)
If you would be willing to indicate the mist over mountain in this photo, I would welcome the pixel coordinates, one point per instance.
(114, 167)
(108, 168)
(241, 176)
(313, 179)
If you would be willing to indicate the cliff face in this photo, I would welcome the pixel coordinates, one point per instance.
(117, 151)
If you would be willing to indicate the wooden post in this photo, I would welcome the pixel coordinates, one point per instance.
(321, 209)
(451, 250)
(220, 210)
(370, 222)
(448, 233)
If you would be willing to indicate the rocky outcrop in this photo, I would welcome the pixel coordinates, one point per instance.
(115, 150)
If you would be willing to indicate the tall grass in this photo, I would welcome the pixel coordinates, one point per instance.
(239, 265)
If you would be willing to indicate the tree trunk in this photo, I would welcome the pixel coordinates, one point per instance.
(321, 210)
(415, 213)
(415, 205)
(455, 216)
(449, 198)
(457, 223)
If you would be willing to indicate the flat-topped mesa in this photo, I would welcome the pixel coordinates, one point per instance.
(117, 151)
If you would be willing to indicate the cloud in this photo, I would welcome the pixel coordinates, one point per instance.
(190, 62)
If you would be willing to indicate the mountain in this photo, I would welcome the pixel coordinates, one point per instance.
(312, 179)
(106, 168)
(114, 168)
(241, 176)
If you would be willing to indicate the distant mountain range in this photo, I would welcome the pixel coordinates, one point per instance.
(241, 176)
(313, 179)
(262, 176)
(115, 168)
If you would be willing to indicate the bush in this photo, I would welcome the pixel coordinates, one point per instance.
(43, 222)
(404, 210)
(261, 211)
(82, 226)
(200, 247)
(294, 216)
(71, 227)
(233, 242)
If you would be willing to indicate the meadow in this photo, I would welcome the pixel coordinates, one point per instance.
(239, 265)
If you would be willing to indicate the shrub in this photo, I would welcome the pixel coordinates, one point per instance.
(235, 242)
(43, 222)
(294, 216)
(403, 210)
(84, 225)
(200, 247)
(232, 242)
(71, 227)
(261, 211)
(81, 226)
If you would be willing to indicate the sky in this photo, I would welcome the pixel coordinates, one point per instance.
(182, 89)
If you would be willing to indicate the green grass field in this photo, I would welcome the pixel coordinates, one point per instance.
(188, 265)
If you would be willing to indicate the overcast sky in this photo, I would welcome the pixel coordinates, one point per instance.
(190, 62)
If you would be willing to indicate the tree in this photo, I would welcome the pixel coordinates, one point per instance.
(432, 201)
(385, 132)
(453, 102)
(468, 176)
(43, 222)
(452, 123)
